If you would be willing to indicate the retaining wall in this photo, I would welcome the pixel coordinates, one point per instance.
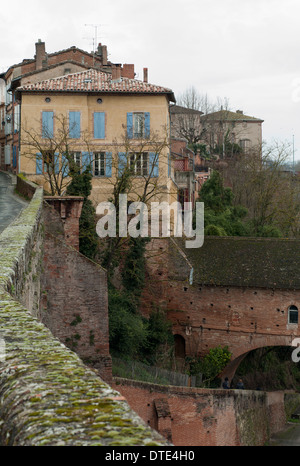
(47, 395)
(209, 417)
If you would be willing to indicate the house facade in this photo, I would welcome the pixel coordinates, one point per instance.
(43, 66)
(109, 122)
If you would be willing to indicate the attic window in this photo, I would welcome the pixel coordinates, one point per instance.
(47, 100)
(99, 101)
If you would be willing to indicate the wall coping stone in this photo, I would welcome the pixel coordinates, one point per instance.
(47, 395)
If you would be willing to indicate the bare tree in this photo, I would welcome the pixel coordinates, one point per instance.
(261, 183)
(53, 153)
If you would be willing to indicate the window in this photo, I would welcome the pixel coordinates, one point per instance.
(77, 159)
(46, 162)
(138, 125)
(245, 144)
(99, 164)
(74, 125)
(293, 315)
(138, 163)
(47, 124)
(102, 163)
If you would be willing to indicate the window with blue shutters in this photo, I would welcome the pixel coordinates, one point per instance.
(47, 125)
(47, 162)
(138, 125)
(74, 125)
(99, 125)
(139, 163)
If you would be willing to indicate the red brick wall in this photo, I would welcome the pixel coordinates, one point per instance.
(74, 298)
(208, 316)
(199, 417)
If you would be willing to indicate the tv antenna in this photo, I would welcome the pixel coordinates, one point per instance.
(95, 39)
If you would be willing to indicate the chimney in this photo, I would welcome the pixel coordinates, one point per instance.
(104, 55)
(145, 75)
(116, 72)
(240, 112)
(128, 71)
(40, 55)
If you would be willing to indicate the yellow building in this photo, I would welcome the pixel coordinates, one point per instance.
(102, 121)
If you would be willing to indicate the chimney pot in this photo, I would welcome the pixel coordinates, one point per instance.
(145, 75)
(40, 54)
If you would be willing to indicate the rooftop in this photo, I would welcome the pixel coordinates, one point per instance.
(94, 81)
(226, 115)
(243, 262)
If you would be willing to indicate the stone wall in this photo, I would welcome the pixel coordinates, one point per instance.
(74, 297)
(203, 417)
(47, 395)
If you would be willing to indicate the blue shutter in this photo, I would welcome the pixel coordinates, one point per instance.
(39, 164)
(47, 124)
(153, 161)
(99, 125)
(65, 165)
(147, 125)
(74, 125)
(122, 162)
(14, 157)
(108, 164)
(56, 163)
(130, 125)
(87, 159)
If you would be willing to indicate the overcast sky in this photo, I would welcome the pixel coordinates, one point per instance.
(244, 50)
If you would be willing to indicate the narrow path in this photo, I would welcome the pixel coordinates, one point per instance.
(10, 204)
(289, 437)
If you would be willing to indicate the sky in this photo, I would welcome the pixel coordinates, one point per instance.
(245, 51)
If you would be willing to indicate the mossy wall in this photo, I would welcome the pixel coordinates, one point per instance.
(47, 395)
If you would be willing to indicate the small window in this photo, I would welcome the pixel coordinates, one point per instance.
(293, 315)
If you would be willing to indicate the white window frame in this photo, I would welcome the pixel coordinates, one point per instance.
(99, 164)
(139, 163)
(138, 125)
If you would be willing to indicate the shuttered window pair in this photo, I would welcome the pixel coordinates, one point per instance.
(145, 164)
(99, 163)
(48, 125)
(138, 125)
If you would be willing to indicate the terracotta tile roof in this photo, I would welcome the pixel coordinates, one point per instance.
(94, 81)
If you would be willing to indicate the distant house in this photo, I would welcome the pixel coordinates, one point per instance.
(224, 133)
(224, 129)
(107, 110)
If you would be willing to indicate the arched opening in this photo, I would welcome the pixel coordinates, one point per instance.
(293, 314)
(268, 368)
(179, 344)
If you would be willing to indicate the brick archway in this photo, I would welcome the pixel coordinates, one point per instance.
(236, 360)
